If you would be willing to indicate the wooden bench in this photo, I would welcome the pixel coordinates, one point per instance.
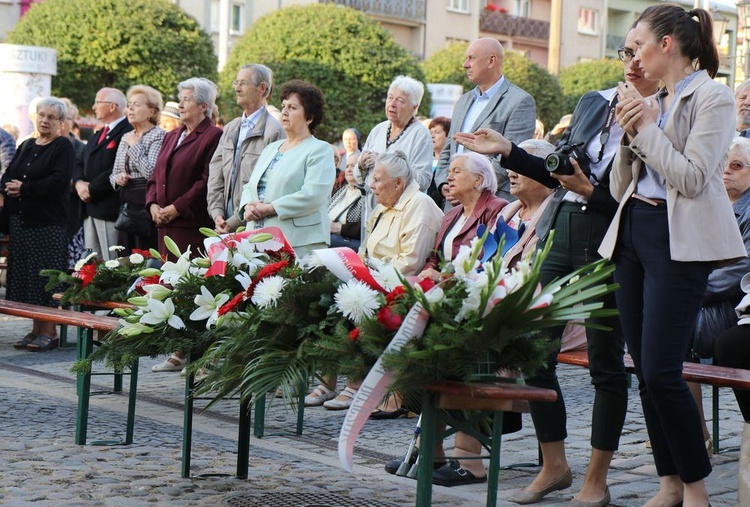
(709, 374)
(89, 323)
(491, 398)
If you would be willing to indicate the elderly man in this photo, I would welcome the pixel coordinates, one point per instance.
(240, 146)
(495, 103)
(742, 107)
(91, 177)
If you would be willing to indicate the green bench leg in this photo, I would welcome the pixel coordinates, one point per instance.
(715, 414)
(187, 427)
(84, 348)
(494, 471)
(426, 451)
(243, 440)
(260, 416)
(131, 402)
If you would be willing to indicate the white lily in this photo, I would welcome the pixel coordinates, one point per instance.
(246, 254)
(157, 291)
(162, 312)
(244, 278)
(132, 328)
(173, 271)
(208, 306)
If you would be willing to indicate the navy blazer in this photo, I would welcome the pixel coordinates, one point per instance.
(95, 167)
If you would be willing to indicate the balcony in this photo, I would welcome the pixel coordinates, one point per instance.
(408, 10)
(504, 24)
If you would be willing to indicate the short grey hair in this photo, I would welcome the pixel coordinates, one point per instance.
(395, 165)
(481, 166)
(55, 104)
(72, 109)
(116, 97)
(743, 145)
(261, 74)
(413, 89)
(537, 147)
(741, 87)
(205, 92)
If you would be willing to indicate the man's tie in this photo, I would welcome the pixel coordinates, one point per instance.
(104, 133)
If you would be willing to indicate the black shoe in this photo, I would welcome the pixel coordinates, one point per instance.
(451, 474)
(378, 414)
(392, 466)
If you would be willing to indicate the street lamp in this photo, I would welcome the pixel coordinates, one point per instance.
(719, 26)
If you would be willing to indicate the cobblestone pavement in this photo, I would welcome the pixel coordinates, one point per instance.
(41, 466)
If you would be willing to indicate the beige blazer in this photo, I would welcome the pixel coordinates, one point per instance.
(690, 153)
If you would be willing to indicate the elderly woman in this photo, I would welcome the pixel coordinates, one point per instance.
(473, 183)
(400, 231)
(134, 164)
(345, 210)
(402, 132)
(176, 191)
(35, 192)
(352, 141)
(291, 183)
(170, 117)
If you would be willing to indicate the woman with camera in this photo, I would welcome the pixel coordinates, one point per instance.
(580, 213)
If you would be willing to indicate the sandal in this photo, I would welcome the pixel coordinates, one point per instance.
(174, 363)
(24, 342)
(43, 343)
(342, 401)
(318, 396)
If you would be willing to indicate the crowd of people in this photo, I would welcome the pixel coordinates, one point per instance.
(649, 174)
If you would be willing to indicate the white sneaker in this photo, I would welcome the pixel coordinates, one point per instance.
(342, 401)
(318, 396)
(174, 363)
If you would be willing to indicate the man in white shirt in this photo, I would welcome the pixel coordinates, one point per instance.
(101, 202)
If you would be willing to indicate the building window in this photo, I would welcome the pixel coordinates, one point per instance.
(236, 24)
(459, 6)
(522, 8)
(588, 21)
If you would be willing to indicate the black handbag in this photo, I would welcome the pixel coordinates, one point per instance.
(134, 219)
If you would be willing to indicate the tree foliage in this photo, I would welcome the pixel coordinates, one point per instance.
(445, 66)
(117, 43)
(343, 52)
(583, 77)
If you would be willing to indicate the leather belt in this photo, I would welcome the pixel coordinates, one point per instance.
(649, 200)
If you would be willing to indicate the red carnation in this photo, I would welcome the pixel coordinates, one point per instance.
(354, 334)
(145, 253)
(270, 270)
(426, 284)
(390, 320)
(86, 274)
(395, 294)
(231, 304)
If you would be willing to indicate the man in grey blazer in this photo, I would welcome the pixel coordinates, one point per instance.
(495, 103)
(240, 146)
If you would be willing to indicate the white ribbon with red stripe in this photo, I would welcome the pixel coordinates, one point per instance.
(345, 264)
(218, 246)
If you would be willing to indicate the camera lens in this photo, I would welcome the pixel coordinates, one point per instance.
(552, 162)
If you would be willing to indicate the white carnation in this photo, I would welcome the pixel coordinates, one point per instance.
(136, 258)
(112, 264)
(356, 300)
(268, 291)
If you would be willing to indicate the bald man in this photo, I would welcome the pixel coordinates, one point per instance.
(495, 103)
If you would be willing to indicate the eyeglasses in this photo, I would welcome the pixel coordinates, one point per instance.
(241, 84)
(736, 166)
(186, 99)
(102, 102)
(625, 54)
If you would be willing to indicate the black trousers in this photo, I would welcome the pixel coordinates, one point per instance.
(732, 349)
(578, 234)
(659, 300)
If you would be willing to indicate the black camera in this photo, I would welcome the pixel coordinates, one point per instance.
(558, 162)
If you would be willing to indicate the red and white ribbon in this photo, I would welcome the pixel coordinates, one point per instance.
(218, 246)
(345, 264)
